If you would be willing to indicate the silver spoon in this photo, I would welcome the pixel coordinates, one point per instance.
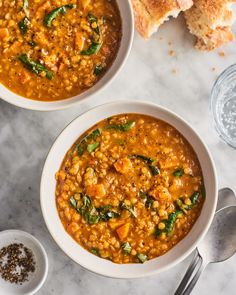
(218, 245)
(226, 198)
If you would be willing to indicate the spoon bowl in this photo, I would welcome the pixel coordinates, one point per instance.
(226, 198)
(219, 243)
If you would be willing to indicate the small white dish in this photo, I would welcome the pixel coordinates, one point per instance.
(48, 184)
(38, 277)
(126, 13)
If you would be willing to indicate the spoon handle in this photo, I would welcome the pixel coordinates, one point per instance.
(195, 278)
(192, 267)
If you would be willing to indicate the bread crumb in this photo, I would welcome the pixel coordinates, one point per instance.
(221, 53)
(172, 53)
(174, 71)
(213, 69)
(160, 38)
(169, 43)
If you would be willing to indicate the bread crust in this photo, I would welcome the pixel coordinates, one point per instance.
(143, 19)
(210, 21)
(150, 14)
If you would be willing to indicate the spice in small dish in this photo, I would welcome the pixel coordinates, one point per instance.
(16, 263)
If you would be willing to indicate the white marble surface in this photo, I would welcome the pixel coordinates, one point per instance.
(25, 138)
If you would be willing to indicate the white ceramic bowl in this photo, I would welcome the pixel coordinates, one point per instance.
(123, 52)
(37, 278)
(104, 267)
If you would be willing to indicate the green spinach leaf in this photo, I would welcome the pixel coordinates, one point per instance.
(92, 147)
(106, 213)
(148, 200)
(170, 222)
(195, 197)
(126, 248)
(93, 49)
(157, 232)
(87, 210)
(122, 127)
(91, 136)
(92, 19)
(147, 160)
(130, 208)
(98, 69)
(55, 12)
(25, 5)
(23, 25)
(153, 169)
(73, 202)
(90, 214)
(95, 251)
(182, 206)
(178, 172)
(142, 257)
(34, 66)
(32, 44)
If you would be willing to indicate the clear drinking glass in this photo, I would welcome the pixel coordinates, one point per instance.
(223, 105)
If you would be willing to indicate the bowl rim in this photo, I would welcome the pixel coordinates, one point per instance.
(204, 230)
(113, 71)
(41, 248)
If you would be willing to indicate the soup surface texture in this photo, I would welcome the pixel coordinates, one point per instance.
(130, 188)
(55, 49)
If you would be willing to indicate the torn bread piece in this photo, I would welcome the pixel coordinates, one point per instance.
(150, 14)
(210, 21)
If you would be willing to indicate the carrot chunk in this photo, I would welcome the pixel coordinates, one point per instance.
(4, 33)
(114, 224)
(85, 3)
(96, 190)
(42, 8)
(41, 38)
(79, 41)
(160, 193)
(15, 47)
(123, 231)
(123, 165)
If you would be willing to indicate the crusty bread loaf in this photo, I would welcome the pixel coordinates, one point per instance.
(150, 14)
(210, 21)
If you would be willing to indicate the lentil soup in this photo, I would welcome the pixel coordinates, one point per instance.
(56, 49)
(130, 188)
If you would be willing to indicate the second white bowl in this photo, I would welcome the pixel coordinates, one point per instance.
(126, 13)
(48, 184)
